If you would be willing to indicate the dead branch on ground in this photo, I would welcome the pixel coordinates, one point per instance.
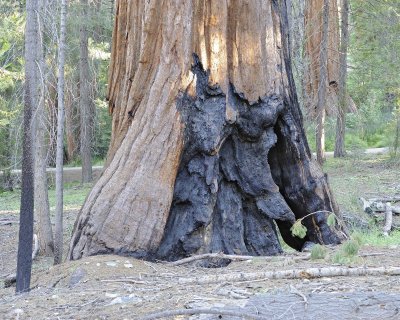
(180, 312)
(236, 258)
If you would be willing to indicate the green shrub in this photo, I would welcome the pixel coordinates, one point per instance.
(318, 252)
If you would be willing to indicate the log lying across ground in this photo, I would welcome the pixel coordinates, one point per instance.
(292, 274)
(386, 205)
(376, 205)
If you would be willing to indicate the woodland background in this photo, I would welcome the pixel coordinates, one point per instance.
(373, 78)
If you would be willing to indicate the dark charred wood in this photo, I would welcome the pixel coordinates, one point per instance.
(237, 177)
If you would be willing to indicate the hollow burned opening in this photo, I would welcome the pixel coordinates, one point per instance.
(239, 172)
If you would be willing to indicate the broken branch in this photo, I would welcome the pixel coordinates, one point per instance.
(235, 258)
(179, 312)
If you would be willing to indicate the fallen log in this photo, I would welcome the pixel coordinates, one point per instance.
(371, 206)
(292, 274)
(236, 258)
(220, 312)
(385, 199)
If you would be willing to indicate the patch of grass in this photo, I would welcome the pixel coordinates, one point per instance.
(340, 258)
(318, 252)
(10, 200)
(74, 196)
(374, 237)
(351, 247)
(365, 176)
(347, 253)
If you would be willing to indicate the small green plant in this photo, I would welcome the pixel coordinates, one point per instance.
(348, 253)
(357, 237)
(298, 230)
(351, 247)
(318, 252)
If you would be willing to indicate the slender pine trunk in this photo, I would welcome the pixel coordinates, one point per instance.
(58, 252)
(323, 71)
(42, 207)
(84, 98)
(341, 119)
(24, 258)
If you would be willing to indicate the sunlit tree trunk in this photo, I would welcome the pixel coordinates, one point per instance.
(58, 245)
(42, 207)
(323, 74)
(84, 98)
(24, 258)
(314, 29)
(343, 100)
(208, 147)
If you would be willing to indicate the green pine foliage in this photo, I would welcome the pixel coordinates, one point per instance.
(12, 27)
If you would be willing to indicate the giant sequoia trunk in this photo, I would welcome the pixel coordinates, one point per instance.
(208, 149)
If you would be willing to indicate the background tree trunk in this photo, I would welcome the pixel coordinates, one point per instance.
(71, 118)
(42, 207)
(207, 148)
(343, 100)
(314, 29)
(58, 248)
(24, 258)
(84, 98)
(323, 73)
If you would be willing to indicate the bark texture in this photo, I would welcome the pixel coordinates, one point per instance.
(322, 93)
(84, 97)
(207, 146)
(42, 207)
(314, 26)
(341, 118)
(25, 238)
(58, 243)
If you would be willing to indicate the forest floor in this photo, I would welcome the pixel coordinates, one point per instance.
(114, 287)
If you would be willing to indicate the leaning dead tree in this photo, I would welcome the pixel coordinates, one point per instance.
(208, 149)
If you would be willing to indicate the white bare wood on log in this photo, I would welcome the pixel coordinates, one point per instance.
(292, 274)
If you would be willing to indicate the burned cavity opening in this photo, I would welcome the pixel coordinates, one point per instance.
(302, 185)
(225, 198)
(281, 158)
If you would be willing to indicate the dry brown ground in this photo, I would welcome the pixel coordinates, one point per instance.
(114, 287)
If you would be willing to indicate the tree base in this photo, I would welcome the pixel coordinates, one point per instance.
(244, 167)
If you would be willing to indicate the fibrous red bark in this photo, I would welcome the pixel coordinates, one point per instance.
(208, 148)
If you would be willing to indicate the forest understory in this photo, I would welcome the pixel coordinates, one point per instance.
(115, 287)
